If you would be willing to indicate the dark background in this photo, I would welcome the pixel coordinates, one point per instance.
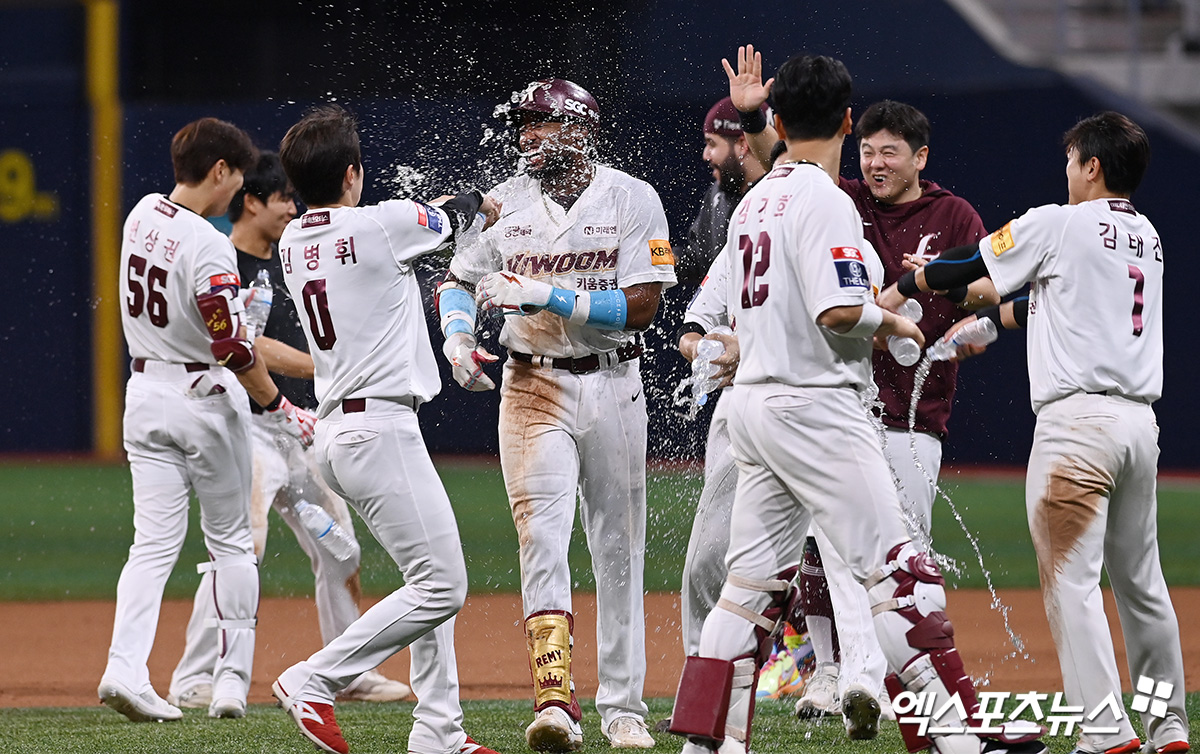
(424, 80)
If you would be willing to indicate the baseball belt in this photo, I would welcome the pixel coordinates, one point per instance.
(139, 365)
(584, 364)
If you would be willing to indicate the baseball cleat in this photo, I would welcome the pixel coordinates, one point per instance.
(228, 708)
(197, 697)
(860, 713)
(373, 686)
(140, 708)
(1129, 747)
(553, 730)
(1174, 747)
(315, 720)
(629, 732)
(820, 694)
(992, 746)
(470, 747)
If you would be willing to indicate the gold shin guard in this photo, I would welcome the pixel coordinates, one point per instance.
(549, 639)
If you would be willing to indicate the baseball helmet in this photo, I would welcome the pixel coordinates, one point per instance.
(558, 98)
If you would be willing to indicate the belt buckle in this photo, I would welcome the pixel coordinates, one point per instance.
(577, 367)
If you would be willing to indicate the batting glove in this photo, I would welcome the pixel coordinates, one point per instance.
(297, 422)
(467, 358)
(506, 293)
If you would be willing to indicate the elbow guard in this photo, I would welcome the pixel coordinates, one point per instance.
(221, 312)
(961, 265)
(603, 310)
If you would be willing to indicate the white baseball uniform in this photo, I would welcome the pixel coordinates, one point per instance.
(804, 447)
(186, 427)
(582, 430)
(284, 473)
(350, 271)
(704, 570)
(1095, 366)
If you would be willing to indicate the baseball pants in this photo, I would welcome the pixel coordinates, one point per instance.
(704, 567)
(377, 460)
(1091, 501)
(563, 435)
(916, 490)
(176, 443)
(803, 454)
(284, 473)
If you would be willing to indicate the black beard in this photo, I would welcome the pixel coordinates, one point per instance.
(731, 177)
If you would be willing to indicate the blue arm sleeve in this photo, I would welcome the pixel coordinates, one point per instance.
(607, 310)
(457, 310)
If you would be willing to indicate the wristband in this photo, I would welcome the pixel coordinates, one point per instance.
(1020, 312)
(992, 313)
(753, 122)
(956, 295)
(868, 322)
(275, 403)
(604, 310)
(907, 284)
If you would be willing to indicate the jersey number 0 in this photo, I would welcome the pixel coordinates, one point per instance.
(320, 324)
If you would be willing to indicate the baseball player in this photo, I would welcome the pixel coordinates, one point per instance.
(805, 449)
(577, 263)
(283, 473)
(350, 270)
(1094, 314)
(186, 424)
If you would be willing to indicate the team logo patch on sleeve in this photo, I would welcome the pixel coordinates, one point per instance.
(428, 217)
(851, 271)
(227, 278)
(660, 252)
(1002, 240)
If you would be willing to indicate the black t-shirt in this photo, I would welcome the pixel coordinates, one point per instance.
(283, 324)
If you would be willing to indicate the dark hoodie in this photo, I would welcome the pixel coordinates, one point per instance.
(937, 221)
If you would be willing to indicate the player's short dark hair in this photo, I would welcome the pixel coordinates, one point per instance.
(1120, 144)
(264, 180)
(317, 150)
(903, 120)
(810, 95)
(202, 143)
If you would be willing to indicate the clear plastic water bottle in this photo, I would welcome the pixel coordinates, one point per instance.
(905, 351)
(979, 333)
(703, 370)
(328, 533)
(258, 304)
(469, 235)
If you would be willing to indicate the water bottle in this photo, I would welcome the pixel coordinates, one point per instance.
(703, 370)
(469, 235)
(258, 305)
(978, 333)
(325, 530)
(905, 351)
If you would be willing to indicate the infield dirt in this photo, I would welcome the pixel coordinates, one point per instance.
(55, 651)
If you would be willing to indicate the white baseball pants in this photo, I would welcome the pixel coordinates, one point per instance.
(284, 472)
(916, 492)
(563, 435)
(176, 443)
(1092, 502)
(377, 460)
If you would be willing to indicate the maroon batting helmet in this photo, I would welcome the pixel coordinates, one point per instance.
(558, 98)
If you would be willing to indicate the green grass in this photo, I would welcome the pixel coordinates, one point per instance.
(376, 729)
(65, 530)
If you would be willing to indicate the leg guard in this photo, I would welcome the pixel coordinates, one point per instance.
(769, 623)
(235, 596)
(715, 703)
(548, 636)
(908, 600)
(814, 602)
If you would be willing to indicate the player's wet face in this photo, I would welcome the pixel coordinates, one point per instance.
(550, 147)
(890, 167)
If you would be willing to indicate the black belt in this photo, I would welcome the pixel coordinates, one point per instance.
(139, 365)
(583, 365)
(1117, 394)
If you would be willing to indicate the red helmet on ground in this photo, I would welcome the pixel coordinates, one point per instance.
(558, 98)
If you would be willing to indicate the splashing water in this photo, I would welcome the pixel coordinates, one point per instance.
(919, 378)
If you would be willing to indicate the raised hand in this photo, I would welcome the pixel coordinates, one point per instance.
(746, 87)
